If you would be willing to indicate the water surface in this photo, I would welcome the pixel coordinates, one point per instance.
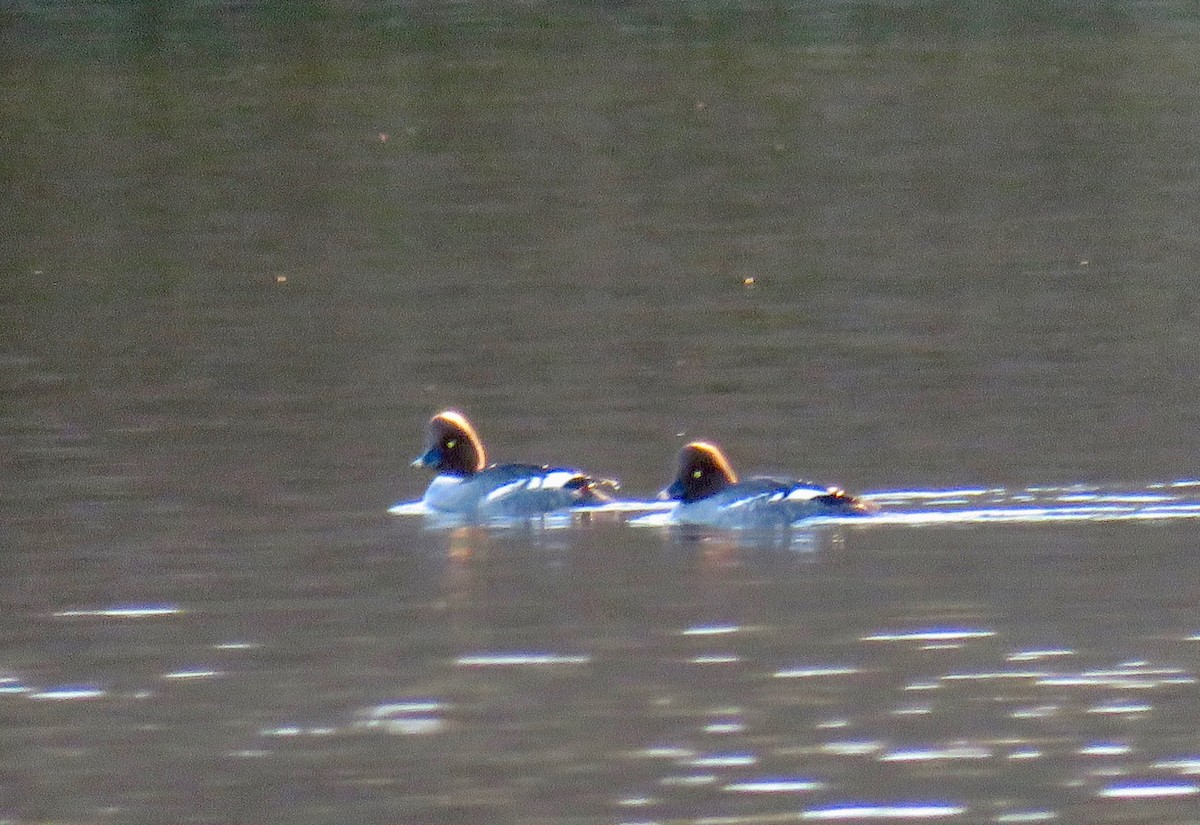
(905, 248)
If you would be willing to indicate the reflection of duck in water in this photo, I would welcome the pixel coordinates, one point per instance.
(466, 486)
(709, 493)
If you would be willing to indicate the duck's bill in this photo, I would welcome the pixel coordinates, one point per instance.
(427, 459)
(672, 492)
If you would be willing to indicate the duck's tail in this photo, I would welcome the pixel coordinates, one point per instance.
(590, 490)
(842, 503)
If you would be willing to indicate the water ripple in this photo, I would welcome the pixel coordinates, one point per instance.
(906, 810)
(1034, 504)
(1148, 790)
(127, 611)
(519, 659)
(68, 693)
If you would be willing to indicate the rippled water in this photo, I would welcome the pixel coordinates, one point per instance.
(941, 254)
(903, 669)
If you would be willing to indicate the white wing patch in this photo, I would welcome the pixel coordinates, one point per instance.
(553, 480)
(807, 493)
(558, 478)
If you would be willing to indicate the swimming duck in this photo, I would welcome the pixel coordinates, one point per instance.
(709, 493)
(466, 485)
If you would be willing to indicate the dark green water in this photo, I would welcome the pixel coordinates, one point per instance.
(248, 249)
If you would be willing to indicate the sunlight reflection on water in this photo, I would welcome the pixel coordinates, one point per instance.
(730, 685)
(133, 611)
(68, 693)
(897, 811)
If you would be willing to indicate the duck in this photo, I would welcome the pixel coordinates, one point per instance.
(467, 486)
(707, 492)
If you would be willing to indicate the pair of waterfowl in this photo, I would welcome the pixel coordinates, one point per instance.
(706, 489)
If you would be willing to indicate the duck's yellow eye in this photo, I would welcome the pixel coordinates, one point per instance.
(697, 473)
(451, 444)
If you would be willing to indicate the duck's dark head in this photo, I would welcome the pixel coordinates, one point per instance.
(703, 471)
(452, 447)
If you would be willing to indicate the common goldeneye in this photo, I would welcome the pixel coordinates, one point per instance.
(466, 486)
(709, 493)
